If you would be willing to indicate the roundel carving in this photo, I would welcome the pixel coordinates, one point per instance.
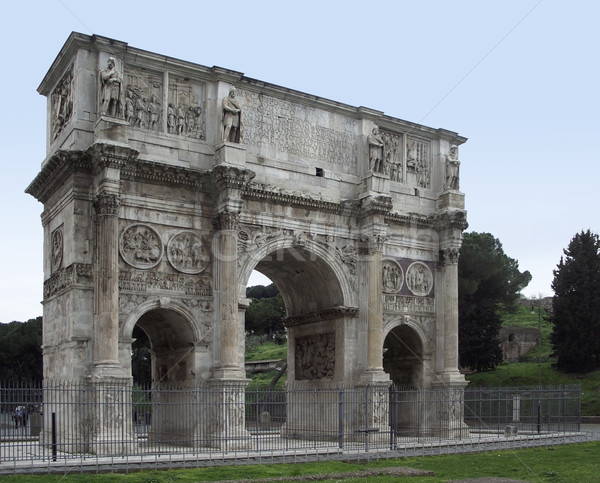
(141, 246)
(186, 253)
(419, 279)
(391, 276)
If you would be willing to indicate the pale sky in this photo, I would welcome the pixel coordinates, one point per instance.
(518, 78)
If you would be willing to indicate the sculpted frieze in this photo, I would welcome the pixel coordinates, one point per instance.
(295, 129)
(315, 356)
(141, 246)
(187, 252)
(62, 103)
(393, 156)
(418, 155)
(186, 112)
(401, 304)
(143, 94)
(75, 274)
(148, 281)
(56, 256)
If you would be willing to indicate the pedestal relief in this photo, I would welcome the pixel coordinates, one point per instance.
(141, 246)
(187, 253)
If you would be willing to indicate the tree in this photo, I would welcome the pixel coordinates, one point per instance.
(21, 351)
(575, 315)
(488, 280)
(265, 316)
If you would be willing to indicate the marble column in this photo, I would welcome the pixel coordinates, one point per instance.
(227, 288)
(372, 304)
(106, 283)
(449, 259)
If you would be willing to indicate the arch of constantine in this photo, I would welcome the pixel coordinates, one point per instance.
(166, 183)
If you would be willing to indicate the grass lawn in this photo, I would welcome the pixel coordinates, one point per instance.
(570, 463)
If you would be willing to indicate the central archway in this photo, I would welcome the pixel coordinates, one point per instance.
(316, 291)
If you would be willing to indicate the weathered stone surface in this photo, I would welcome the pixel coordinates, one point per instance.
(166, 183)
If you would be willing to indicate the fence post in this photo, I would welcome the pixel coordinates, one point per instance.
(341, 418)
(53, 436)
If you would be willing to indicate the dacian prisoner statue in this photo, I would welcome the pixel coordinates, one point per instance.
(167, 183)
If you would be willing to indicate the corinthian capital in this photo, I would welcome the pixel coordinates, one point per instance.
(449, 256)
(371, 244)
(227, 220)
(107, 204)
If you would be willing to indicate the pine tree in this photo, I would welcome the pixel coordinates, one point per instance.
(488, 280)
(576, 305)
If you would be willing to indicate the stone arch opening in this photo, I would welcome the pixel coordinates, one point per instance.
(403, 357)
(306, 281)
(172, 341)
(314, 290)
(403, 361)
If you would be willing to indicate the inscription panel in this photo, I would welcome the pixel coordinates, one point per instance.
(298, 130)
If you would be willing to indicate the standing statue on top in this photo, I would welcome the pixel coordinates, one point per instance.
(111, 90)
(232, 113)
(452, 168)
(376, 151)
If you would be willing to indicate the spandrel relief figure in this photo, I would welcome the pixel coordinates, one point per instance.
(231, 117)
(111, 90)
(452, 168)
(375, 141)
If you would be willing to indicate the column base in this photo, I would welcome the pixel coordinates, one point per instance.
(374, 377)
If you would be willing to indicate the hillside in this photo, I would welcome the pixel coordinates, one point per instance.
(525, 371)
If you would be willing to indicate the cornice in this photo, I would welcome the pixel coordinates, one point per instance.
(261, 192)
(455, 219)
(158, 173)
(58, 166)
(410, 219)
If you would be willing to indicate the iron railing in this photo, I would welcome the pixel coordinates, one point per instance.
(60, 421)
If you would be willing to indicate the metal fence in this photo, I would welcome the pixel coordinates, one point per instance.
(79, 423)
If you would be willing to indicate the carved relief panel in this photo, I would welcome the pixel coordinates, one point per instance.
(418, 161)
(62, 103)
(391, 276)
(141, 246)
(419, 279)
(187, 253)
(143, 100)
(186, 108)
(56, 256)
(393, 156)
(315, 356)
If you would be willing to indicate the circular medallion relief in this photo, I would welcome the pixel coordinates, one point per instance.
(187, 253)
(391, 276)
(141, 246)
(57, 249)
(419, 279)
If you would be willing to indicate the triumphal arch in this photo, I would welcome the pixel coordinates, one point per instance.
(166, 183)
